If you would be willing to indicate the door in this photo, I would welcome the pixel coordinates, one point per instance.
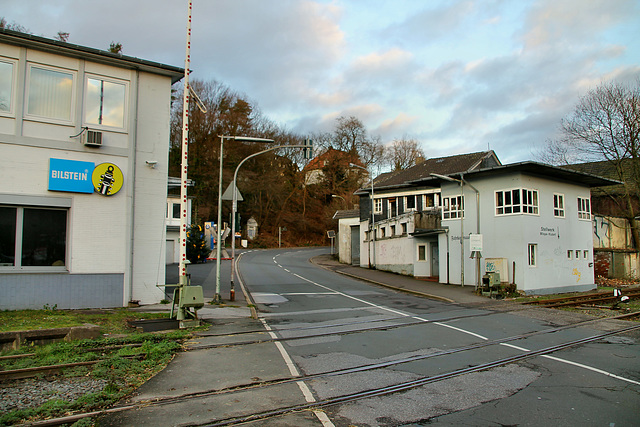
(355, 245)
(435, 260)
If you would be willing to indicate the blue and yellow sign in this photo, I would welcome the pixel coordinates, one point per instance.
(107, 179)
(70, 175)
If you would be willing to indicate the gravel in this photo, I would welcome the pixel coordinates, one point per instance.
(34, 392)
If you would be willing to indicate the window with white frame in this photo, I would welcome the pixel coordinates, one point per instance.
(452, 207)
(584, 208)
(50, 93)
(410, 203)
(393, 231)
(558, 205)
(422, 252)
(33, 237)
(7, 78)
(173, 211)
(517, 201)
(431, 200)
(105, 101)
(377, 206)
(533, 254)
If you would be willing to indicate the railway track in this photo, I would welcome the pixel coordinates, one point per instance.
(36, 371)
(597, 297)
(362, 394)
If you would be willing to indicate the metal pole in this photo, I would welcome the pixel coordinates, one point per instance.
(234, 204)
(217, 298)
(182, 268)
(461, 232)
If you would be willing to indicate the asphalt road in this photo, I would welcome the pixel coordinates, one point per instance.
(592, 384)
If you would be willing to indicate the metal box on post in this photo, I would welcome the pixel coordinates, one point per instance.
(490, 283)
(191, 296)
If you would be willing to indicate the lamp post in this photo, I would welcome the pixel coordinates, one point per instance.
(462, 182)
(372, 237)
(217, 298)
(235, 201)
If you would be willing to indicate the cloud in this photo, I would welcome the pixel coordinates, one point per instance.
(566, 22)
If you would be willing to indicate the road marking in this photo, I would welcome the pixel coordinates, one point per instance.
(464, 331)
(308, 293)
(293, 370)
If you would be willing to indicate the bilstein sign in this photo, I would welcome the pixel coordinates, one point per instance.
(75, 176)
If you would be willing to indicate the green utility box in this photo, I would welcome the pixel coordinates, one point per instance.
(191, 296)
(490, 284)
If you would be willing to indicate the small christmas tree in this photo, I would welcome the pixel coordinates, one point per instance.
(196, 247)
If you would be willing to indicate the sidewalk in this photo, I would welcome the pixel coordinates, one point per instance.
(424, 288)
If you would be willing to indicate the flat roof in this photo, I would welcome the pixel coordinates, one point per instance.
(102, 56)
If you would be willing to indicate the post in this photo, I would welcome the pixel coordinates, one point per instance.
(182, 269)
(217, 298)
(461, 231)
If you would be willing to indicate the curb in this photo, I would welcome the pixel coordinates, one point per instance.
(385, 285)
(247, 296)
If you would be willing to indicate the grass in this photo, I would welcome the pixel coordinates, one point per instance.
(110, 321)
(152, 351)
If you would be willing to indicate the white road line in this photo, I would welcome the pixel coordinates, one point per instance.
(464, 331)
(309, 293)
(293, 370)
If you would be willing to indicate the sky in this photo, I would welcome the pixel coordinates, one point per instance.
(458, 76)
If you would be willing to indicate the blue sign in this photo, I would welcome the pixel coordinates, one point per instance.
(70, 175)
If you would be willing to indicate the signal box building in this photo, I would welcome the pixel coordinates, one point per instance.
(84, 138)
(529, 222)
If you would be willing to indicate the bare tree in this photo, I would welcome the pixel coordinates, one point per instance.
(62, 36)
(605, 126)
(403, 154)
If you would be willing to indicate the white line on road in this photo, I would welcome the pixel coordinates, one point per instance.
(381, 307)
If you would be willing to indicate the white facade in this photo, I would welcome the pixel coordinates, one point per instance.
(541, 240)
(112, 247)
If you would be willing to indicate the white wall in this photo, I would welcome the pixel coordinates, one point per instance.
(508, 236)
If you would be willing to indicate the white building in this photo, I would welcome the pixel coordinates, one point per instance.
(533, 222)
(84, 137)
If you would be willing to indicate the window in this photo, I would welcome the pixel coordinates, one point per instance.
(393, 231)
(452, 207)
(430, 201)
(577, 254)
(383, 232)
(569, 254)
(422, 252)
(32, 237)
(584, 208)
(174, 210)
(585, 254)
(410, 203)
(393, 207)
(533, 254)
(516, 201)
(404, 227)
(6, 86)
(377, 206)
(105, 102)
(558, 205)
(50, 93)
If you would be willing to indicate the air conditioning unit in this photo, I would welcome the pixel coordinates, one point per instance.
(92, 138)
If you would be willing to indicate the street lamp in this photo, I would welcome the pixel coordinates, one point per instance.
(462, 182)
(235, 200)
(217, 297)
(372, 237)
